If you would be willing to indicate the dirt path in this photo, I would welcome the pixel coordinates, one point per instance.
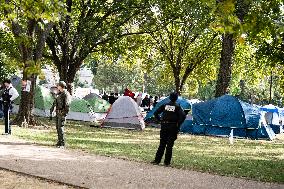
(9, 180)
(90, 171)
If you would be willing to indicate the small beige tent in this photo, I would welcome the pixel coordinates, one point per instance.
(124, 113)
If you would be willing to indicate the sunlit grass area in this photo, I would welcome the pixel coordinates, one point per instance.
(254, 159)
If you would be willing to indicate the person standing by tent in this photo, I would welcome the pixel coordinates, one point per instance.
(151, 102)
(172, 117)
(155, 101)
(139, 99)
(129, 93)
(111, 98)
(61, 106)
(146, 103)
(105, 96)
(8, 96)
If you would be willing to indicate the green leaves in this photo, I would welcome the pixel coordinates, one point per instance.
(30, 9)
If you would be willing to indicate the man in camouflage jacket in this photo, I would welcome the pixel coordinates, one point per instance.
(61, 106)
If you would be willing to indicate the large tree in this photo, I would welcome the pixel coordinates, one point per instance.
(88, 25)
(236, 18)
(182, 37)
(30, 23)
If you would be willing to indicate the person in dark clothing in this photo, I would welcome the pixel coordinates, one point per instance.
(172, 117)
(8, 96)
(115, 96)
(61, 105)
(146, 102)
(155, 101)
(111, 98)
(105, 96)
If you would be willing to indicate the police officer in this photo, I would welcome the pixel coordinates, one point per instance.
(172, 117)
(8, 96)
(61, 106)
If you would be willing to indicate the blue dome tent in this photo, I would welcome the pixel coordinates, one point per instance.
(219, 116)
(184, 103)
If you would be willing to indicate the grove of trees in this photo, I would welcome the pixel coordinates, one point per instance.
(201, 49)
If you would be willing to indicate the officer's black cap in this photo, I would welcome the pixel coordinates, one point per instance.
(173, 96)
(7, 81)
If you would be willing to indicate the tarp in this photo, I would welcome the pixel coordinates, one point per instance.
(124, 113)
(269, 108)
(272, 115)
(184, 103)
(219, 116)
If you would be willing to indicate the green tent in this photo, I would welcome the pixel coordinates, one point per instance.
(89, 109)
(79, 105)
(80, 109)
(43, 97)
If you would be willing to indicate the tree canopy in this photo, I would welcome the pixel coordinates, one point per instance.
(201, 49)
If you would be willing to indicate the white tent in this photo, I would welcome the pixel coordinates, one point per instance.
(124, 113)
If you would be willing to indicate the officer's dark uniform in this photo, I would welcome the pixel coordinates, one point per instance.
(61, 104)
(6, 109)
(172, 117)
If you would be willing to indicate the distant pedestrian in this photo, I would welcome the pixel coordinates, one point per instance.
(172, 117)
(116, 96)
(155, 101)
(105, 96)
(139, 99)
(129, 93)
(146, 103)
(151, 102)
(111, 98)
(61, 105)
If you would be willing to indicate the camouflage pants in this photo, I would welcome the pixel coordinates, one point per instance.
(60, 122)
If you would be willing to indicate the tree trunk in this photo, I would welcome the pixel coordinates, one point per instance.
(30, 53)
(177, 84)
(67, 73)
(228, 47)
(226, 62)
(27, 105)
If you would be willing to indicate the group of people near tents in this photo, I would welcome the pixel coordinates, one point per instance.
(144, 101)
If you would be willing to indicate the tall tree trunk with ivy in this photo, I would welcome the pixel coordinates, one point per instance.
(228, 49)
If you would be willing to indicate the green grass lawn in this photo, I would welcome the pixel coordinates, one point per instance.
(254, 159)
